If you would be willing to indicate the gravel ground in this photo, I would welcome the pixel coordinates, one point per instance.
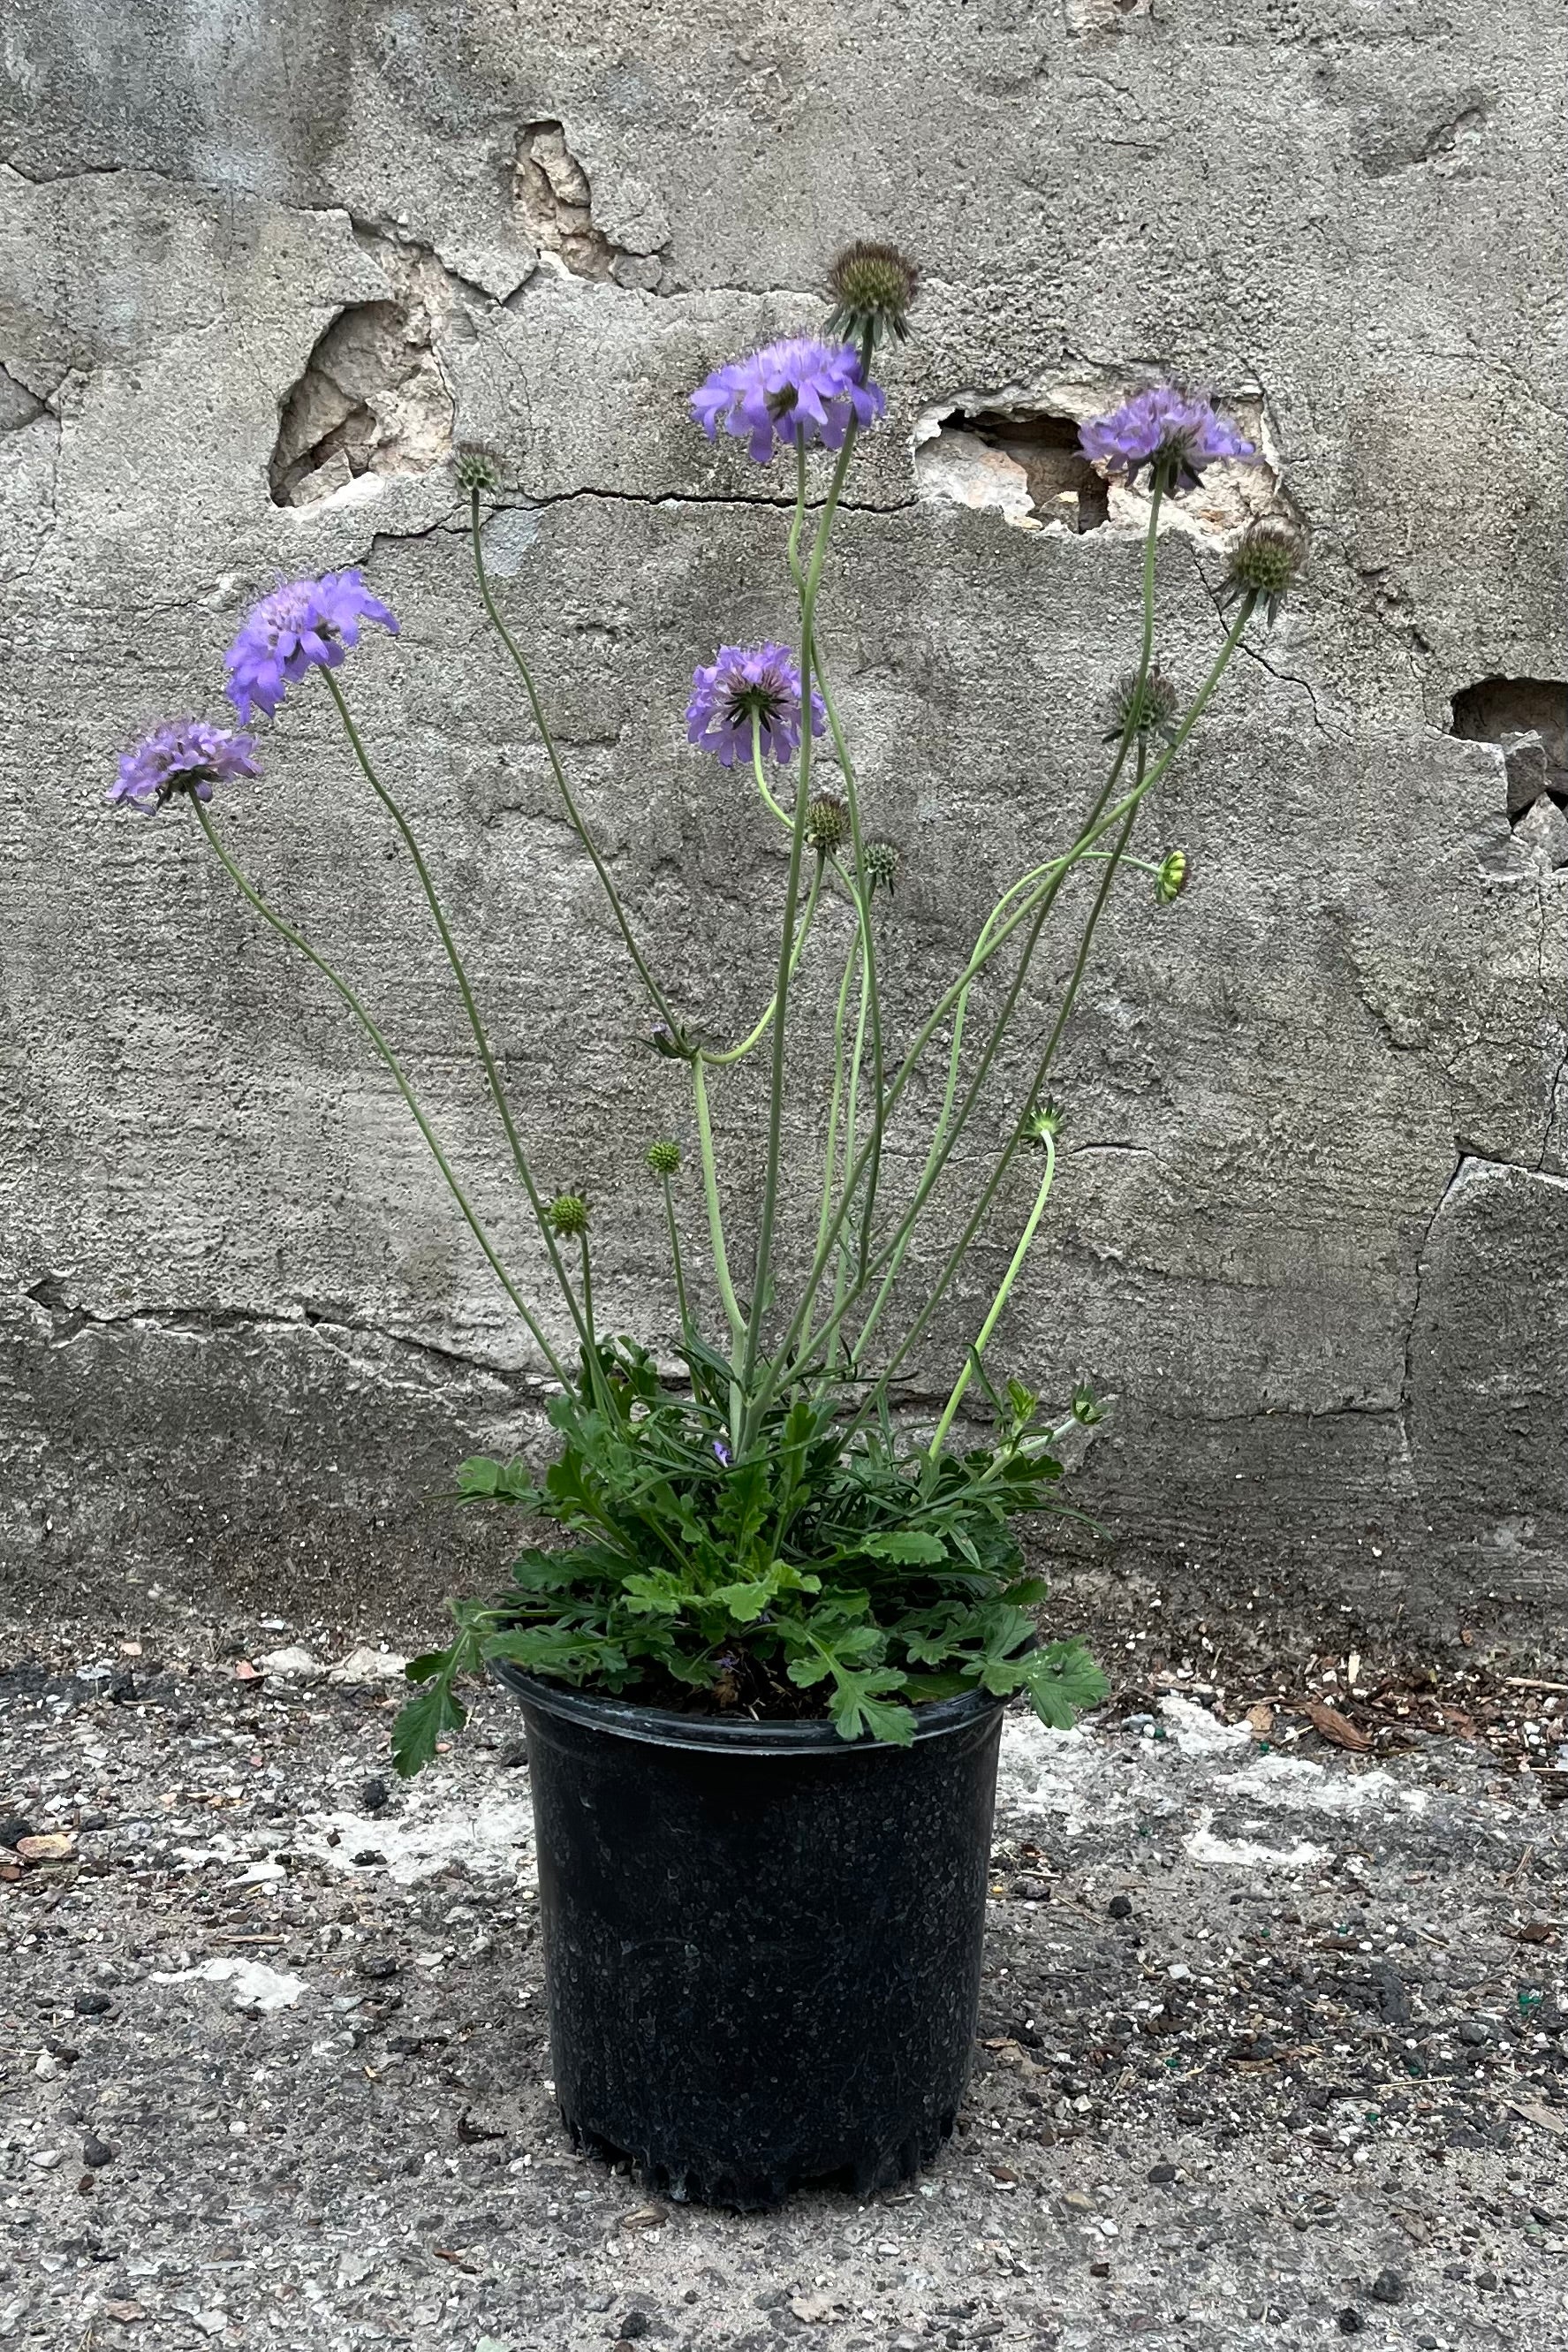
(1272, 2049)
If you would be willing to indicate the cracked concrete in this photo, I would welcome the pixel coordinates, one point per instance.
(1317, 1351)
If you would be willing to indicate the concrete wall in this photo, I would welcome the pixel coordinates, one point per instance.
(1311, 1228)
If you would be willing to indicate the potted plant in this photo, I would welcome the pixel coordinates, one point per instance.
(765, 1645)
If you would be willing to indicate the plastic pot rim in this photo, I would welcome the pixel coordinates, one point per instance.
(658, 1727)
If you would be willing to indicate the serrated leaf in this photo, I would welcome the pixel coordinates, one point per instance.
(745, 1603)
(418, 1725)
(857, 1706)
(1063, 1680)
(905, 1546)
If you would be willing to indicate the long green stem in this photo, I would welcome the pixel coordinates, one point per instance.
(715, 1212)
(761, 1282)
(790, 1369)
(863, 906)
(851, 1126)
(754, 1035)
(296, 939)
(481, 1039)
(675, 1258)
(659, 1003)
(1001, 1300)
(830, 1147)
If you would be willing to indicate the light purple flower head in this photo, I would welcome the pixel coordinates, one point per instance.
(304, 625)
(743, 683)
(186, 756)
(1162, 425)
(796, 393)
(722, 1454)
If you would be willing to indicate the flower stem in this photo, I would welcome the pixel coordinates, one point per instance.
(675, 1257)
(541, 722)
(808, 587)
(297, 940)
(493, 1076)
(1001, 1300)
(863, 907)
(715, 1212)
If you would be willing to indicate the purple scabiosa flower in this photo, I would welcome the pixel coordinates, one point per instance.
(1177, 429)
(743, 683)
(722, 1454)
(798, 391)
(304, 625)
(186, 756)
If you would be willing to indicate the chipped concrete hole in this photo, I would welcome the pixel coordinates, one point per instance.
(1527, 720)
(373, 398)
(1016, 453)
(555, 200)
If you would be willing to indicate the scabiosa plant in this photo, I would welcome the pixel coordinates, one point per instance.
(186, 756)
(850, 1562)
(793, 394)
(745, 689)
(1177, 433)
(304, 625)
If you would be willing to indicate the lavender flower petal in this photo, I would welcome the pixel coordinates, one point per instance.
(302, 625)
(795, 393)
(186, 755)
(1167, 427)
(743, 683)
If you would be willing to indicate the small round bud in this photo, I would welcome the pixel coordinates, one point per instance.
(1264, 563)
(1044, 1122)
(1136, 709)
(1172, 879)
(664, 1157)
(1084, 1408)
(883, 859)
(828, 826)
(873, 288)
(478, 468)
(568, 1214)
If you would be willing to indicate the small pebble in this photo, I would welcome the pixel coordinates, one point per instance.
(635, 2324)
(1475, 2032)
(373, 1795)
(1120, 1906)
(96, 2153)
(1350, 2322)
(92, 2004)
(515, 1755)
(1031, 1890)
(1099, 2270)
(1388, 2287)
(378, 1965)
(1160, 2173)
(14, 1829)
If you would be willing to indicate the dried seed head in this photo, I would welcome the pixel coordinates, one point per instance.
(1135, 709)
(873, 288)
(568, 1212)
(1264, 563)
(883, 859)
(828, 826)
(1172, 879)
(664, 1157)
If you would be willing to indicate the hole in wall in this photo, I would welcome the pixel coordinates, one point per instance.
(555, 200)
(373, 398)
(1027, 463)
(1527, 719)
(1017, 454)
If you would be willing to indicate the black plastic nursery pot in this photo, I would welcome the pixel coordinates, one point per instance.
(762, 1942)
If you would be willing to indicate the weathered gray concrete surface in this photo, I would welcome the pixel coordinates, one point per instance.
(1270, 2051)
(1311, 1229)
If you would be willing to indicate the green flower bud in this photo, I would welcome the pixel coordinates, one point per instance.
(883, 859)
(873, 288)
(664, 1157)
(1043, 1122)
(1084, 1408)
(828, 826)
(568, 1212)
(478, 468)
(1264, 563)
(1135, 709)
(1172, 879)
